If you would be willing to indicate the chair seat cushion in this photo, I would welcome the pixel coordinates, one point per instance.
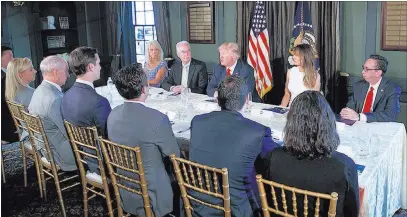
(94, 177)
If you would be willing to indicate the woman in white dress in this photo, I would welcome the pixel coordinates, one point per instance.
(303, 76)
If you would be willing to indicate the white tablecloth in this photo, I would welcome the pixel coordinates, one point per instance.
(384, 178)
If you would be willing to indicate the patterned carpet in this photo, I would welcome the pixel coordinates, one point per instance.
(20, 201)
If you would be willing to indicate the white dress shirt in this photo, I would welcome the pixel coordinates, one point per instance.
(185, 72)
(375, 87)
(55, 85)
(232, 68)
(85, 82)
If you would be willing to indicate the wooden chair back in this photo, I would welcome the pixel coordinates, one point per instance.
(125, 165)
(85, 142)
(39, 139)
(202, 179)
(19, 122)
(333, 199)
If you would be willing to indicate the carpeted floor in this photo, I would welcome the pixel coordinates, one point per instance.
(20, 201)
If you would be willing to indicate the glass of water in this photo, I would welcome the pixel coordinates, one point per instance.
(374, 144)
(249, 102)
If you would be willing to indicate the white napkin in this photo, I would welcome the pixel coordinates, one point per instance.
(345, 150)
(207, 106)
(261, 113)
(340, 126)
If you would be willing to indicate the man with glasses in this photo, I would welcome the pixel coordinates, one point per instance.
(376, 98)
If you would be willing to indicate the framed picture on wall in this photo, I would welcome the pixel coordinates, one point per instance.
(394, 26)
(201, 22)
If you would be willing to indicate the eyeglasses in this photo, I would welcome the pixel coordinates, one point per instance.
(366, 69)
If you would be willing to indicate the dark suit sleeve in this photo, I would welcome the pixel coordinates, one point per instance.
(391, 110)
(351, 100)
(102, 111)
(250, 78)
(169, 80)
(214, 82)
(202, 81)
(164, 138)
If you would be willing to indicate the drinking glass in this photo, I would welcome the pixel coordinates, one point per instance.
(374, 144)
(249, 102)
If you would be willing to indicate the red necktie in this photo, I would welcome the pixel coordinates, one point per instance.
(369, 101)
(228, 72)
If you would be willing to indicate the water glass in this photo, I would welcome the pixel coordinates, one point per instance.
(185, 95)
(249, 102)
(363, 147)
(110, 84)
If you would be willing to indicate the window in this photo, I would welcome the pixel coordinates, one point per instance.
(144, 27)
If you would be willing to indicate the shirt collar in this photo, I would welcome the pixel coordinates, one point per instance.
(232, 67)
(186, 65)
(376, 86)
(4, 70)
(139, 102)
(85, 82)
(53, 84)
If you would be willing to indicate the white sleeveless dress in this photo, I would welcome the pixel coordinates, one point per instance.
(295, 84)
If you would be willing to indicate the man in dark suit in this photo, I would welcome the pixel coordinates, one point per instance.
(8, 129)
(134, 124)
(230, 64)
(81, 105)
(188, 72)
(376, 98)
(227, 139)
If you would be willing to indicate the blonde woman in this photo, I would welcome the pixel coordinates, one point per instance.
(155, 67)
(20, 72)
(302, 77)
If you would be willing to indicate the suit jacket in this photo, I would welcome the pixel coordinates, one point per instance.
(197, 76)
(46, 103)
(227, 139)
(133, 124)
(386, 106)
(8, 129)
(83, 106)
(241, 69)
(324, 175)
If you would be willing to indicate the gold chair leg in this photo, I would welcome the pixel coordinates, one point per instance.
(24, 162)
(3, 173)
(37, 169)
(109, 203)
(58, 187)
(85, 199)
(43, 181)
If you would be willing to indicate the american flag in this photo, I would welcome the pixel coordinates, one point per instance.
(258, 54)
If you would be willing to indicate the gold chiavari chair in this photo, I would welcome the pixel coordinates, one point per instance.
(27, 150)
(82, 139)
(333, 199)
(47, 164)
(192, 178)
(121, 162)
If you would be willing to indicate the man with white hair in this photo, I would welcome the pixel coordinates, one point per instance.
(186, 73)
(46, 103)
(230, 64)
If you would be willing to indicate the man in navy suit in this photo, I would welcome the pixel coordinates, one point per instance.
(81, 105)
(376, 98)
(227, 139)
(230, 64)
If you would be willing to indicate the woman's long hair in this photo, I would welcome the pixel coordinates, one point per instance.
(307, 56)
(13, 80)
(310, 131)
(158, 46)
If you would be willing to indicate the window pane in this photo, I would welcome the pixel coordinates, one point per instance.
(148, 33)
(140, 59)
(133, 13)
(139, 6)
(149, 18)
(149, 6)
(139, 47)
(140, 18)
(155, 34)
(139, 33)
(146, 48)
